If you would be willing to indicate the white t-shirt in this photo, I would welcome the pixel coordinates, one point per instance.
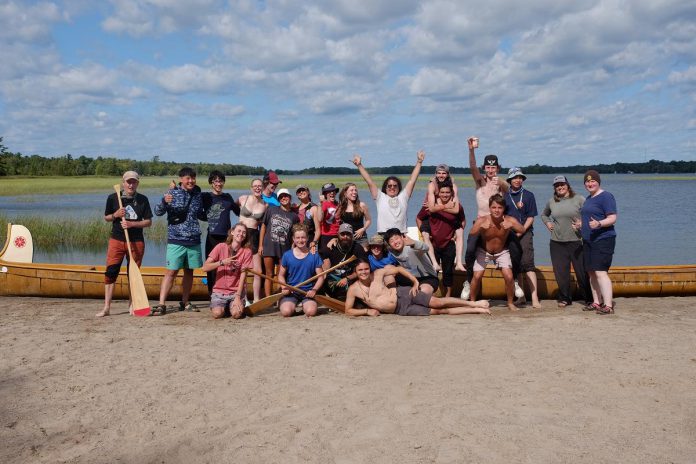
(391, 211)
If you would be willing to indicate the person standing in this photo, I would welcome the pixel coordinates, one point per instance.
(309, 214)
(134, 217)
(329, 218)
(270, 184)
(183, 207)
(566, 243)
(251, 211)
(354, 212)
(392, 200)
(446, 216)
(599, 240)
(217, 207)
(275, 235)
(521, 204)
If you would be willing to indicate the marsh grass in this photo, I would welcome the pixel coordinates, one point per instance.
(71, 233)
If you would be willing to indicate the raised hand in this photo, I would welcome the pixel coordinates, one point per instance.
(357, 160)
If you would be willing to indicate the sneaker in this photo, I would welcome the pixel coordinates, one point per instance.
(466, 291)
(519, 293)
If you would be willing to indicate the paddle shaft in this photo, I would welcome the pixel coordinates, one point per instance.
(270, 299)
(117, 188)
(323, 299)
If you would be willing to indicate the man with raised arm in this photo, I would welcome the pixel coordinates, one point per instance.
(494, 230)
(486, 185)
(371, 289)
(392, 200)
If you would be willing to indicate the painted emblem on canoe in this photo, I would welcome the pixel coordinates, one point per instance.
(20, 242)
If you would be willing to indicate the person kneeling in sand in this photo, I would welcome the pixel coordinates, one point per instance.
(494, 231)
(371, 289)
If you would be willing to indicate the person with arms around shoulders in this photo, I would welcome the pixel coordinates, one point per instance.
(354, 212)
(520, 203)
(559, 214)
(183, 206)
(276, 235)
(599, 240)
(134, 217)
(412, 255)
(217, 206)
(494, 230)
(445, 217)
(229, 261)
(297, 265)
(486, 186)
(337, 281)
(392, 200)
(379, 297)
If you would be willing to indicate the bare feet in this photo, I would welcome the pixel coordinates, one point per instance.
(512, 307)
(482, 304)
(103, 312)
(536, 304)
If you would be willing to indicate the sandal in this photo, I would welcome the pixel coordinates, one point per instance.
(604, 309)
(158, 308)
(592, 307)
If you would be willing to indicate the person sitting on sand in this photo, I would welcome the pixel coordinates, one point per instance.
(494, 230)
(134, 216)
(338, 280)
(413, 256)
(296, 266)
(371, 289)
(229, 261)
(392, 200)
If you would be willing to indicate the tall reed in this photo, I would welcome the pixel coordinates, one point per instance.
(88, 234)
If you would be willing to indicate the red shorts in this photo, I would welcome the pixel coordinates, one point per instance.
(114, 257)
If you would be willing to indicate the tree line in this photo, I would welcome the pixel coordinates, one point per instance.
(17, 164)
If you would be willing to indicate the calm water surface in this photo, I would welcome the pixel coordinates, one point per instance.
(657, 216)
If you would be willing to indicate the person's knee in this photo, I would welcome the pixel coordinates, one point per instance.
(218, 313)
(309, 310)
(287, 310)
(427, 288)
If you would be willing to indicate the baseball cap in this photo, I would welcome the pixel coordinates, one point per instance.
(283, 192)
(345, 227)
(376, 240)
(491, 160)
(515, 172)
(560, 180)
(442, 167)
(301, 187)
(131, 175)
(329, 187)
(272, 178)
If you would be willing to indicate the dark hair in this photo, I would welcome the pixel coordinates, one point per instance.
(556, 198)
(497, 198)
(386, 181)
(445, 183)
(215, 175)
(343, 202)
(362, 261)
(187, 171)
(245, 242)
(392, 232)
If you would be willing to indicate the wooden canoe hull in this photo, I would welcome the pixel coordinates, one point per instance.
(83, 281)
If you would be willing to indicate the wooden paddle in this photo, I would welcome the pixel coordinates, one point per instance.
(332, 303)
(139, 301)
(266, 302)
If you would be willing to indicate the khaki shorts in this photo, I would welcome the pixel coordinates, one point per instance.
(501, 260)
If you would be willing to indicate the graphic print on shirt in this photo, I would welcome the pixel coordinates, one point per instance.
(131, 215)
(214, 213)
(280, 228)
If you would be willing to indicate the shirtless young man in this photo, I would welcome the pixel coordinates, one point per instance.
(487, 185)
(494, 230)
(404, 301)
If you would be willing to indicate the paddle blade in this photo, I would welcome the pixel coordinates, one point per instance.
(263, 303)
(141, 305)
(333, 303)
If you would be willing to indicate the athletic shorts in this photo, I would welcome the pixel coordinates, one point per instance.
(295, 298)
(221, 300)
(407, 305)
(501, 260)
(253, 236)
(598, 255)
(183, 257)
(527, 245)
(425, 226)
(115, 253)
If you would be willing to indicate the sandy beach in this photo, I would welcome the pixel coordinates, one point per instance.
(534, 387)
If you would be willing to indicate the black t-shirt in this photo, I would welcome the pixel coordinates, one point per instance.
(137, 209)
(335, 255)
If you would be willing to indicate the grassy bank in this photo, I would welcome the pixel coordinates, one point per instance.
(88, 234)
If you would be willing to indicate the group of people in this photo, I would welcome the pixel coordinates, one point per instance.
(323, 247)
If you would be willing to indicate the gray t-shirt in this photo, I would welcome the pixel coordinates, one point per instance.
(561, 213)
(415, 259)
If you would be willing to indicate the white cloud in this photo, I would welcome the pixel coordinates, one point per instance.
(194, 78)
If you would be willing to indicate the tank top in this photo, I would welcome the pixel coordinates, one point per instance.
(357, 222)
(307, 219)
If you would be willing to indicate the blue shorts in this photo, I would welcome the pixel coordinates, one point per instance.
(183, 257)
(598, 255)
(295, 298)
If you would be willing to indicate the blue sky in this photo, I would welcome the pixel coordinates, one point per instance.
(295, 84)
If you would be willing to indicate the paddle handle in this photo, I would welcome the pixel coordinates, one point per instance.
(273, 279)
(117, 188)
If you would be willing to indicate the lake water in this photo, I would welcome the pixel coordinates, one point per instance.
(656, 217)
